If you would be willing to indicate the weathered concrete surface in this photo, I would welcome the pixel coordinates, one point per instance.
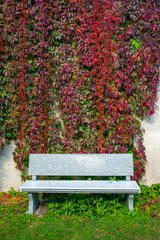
(152, 145)
(9, 175)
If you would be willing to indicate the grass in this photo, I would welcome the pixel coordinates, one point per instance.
(82, 216)
(138, 227)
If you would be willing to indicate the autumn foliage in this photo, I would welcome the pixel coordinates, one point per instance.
(78, 76)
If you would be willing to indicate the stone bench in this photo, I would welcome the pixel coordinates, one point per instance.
(80, 165)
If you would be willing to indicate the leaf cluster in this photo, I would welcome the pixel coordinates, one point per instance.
(78, 76)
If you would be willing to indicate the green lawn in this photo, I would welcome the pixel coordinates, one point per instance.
(82, 216)
(139, 227)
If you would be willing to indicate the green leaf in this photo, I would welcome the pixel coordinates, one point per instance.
(135, 43)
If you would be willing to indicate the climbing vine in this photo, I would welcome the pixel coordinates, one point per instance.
(78, 76)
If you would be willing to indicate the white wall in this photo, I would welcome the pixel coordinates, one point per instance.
(152, 146)
(9, 175)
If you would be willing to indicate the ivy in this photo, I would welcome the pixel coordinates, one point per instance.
(78, 76)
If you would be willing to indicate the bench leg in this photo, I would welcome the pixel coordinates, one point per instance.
(130, 201)
(33, 202)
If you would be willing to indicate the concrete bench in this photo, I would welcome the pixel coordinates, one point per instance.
(79, 165)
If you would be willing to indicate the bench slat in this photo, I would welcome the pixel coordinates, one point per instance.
(81, 186)
(81, 164)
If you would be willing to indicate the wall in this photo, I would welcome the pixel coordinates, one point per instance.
(152, 145)
(9, 175)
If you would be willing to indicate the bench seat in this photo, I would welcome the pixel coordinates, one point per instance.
(80, 165)
(80, 186)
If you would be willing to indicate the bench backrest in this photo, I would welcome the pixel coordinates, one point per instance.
(81, 164)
